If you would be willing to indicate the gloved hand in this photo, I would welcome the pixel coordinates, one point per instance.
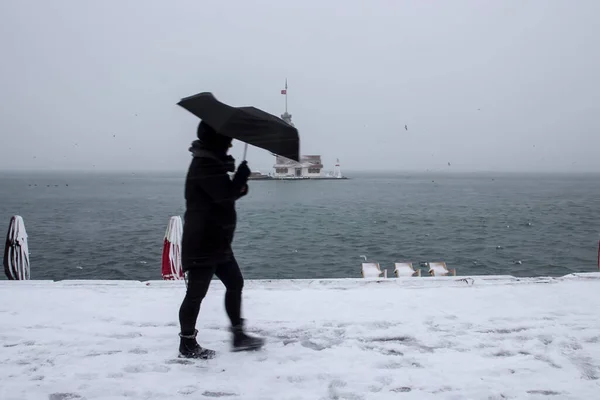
(243, 172)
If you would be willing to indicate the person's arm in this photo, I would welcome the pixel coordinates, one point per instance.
(244, 191)
(212, 178)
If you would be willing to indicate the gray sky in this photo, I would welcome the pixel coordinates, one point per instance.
(485, 85)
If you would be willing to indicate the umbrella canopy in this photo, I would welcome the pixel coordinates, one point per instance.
(171, 256)
(16, 251)
(247, 124)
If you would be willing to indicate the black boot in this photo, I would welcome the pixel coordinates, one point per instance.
(243, 342)
(189, 348)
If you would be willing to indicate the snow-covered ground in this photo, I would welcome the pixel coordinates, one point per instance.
(415, 338)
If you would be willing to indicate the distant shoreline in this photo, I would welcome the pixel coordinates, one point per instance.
(348, 173)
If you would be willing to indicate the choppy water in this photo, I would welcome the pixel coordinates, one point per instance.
(111, 226)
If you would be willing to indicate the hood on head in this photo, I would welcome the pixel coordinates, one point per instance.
(211, 140)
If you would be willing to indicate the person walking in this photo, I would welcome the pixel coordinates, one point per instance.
(208, 231)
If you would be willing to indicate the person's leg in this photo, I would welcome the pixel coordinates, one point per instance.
(197, 287)
(229, 273)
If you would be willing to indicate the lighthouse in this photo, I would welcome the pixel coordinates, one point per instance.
(308, 167)
(337, 171)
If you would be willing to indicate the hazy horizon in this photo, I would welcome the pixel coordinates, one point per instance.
(485, 86)
(347, 173)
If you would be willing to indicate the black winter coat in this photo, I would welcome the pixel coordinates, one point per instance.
(210, 217)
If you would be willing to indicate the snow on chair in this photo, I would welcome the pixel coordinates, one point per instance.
(440, 269)
(406, 269)
(371, 270)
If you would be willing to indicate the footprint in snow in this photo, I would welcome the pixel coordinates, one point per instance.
(218, 394)
(64, 396)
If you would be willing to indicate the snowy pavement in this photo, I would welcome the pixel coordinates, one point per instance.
(417, 338)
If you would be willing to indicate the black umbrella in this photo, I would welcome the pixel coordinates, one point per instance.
(247, 124)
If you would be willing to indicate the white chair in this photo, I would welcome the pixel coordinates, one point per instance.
(440, 269)
(371, 270)
(406, 269)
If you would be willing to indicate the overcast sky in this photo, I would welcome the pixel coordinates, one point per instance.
(484, 85)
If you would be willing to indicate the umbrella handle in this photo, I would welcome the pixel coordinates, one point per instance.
(245, 151)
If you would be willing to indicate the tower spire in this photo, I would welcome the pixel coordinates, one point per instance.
(286, 95)
(287, 117)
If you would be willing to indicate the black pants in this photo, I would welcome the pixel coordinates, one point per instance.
(198, 282)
